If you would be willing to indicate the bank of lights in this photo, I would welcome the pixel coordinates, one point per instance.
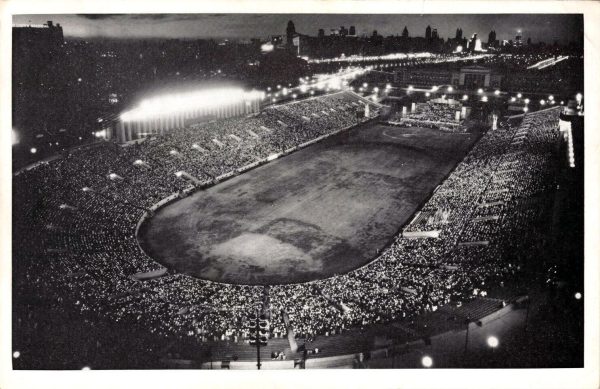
(176, 103)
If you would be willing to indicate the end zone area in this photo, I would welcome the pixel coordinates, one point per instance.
(320, 211)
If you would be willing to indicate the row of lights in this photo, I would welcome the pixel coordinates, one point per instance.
(492, 342)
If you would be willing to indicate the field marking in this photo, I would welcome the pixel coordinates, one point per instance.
(400, 137)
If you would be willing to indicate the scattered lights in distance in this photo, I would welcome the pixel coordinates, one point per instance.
(33, 150)
(427, 94)
(450, 89)
(519, 95)
(513, 99)
(525, 109)
(497, 92)
(480, 91)
(465, 97)
(542, 102)
(484, 99)
(16, 354)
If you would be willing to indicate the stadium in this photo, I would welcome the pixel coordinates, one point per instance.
(348, 221)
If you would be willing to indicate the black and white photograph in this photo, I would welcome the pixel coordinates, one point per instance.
(305, 190)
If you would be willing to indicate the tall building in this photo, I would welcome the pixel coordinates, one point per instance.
(492, 38)
(434, 34)
(519, 39)
(405, 32)
(321, 33)
(459, 34)
(352, 31)
(290, 32)
(343, 31)
(428, 32)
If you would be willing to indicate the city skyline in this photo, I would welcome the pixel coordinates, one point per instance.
(539, 27)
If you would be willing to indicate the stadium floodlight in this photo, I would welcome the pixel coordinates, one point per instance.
(519, 95)
(33, 150)
(427, 361)
(578, 296)
(492, 341)
(480, 91)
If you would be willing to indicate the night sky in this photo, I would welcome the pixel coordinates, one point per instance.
(544, 27)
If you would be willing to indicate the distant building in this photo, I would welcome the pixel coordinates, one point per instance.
(405, 32)
(428, 33)
(459, 34)
(290, 32)
(465, 78)
(343, 31)
(44, 35)
(352, 31)
(434, 34)
(492, 39)
(321, 33)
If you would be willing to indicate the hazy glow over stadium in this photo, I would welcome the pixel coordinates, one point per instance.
(175, 103)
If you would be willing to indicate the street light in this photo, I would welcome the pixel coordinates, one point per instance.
(493, 342)
(427, 361)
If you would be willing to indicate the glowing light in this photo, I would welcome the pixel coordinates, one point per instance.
(16, 354)
(375, 89)
(465, 97)
(86, 368)
(267, 47)
(497, 92)
(15, 137)
(427, 94)
(79, 79)
(138, 162)
(484, 99)
(426, 361)
(410, 87)
(179, 173)
(173, 152)
(578, 296)
(33, 150)
(542, 102)
(519, 95)
(86, 189)
(459, 49)
(434, 88)
(285, 91)
(388, 86)
(525, 109)
(113, 176)
(513, 99)
(578, 97)
(492, 341)
(480, 91)
(365, 85)
(450, 89)
(294, 96)
(526, 101)
(551, 98)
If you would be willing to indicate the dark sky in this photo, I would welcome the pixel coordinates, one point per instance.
(545, 27)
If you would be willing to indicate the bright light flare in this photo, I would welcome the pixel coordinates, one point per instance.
(176, 103)
(426, 361)
(493, 342)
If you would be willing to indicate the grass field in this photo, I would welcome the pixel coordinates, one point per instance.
(323, 210)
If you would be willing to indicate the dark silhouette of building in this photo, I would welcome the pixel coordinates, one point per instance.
(491, 38)
(434, 34)
(290, 32)
(321, 33)
(343, 31)
(352, 31)
(528, 41)
(428, 33)
(405, 32)
(459, 34)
